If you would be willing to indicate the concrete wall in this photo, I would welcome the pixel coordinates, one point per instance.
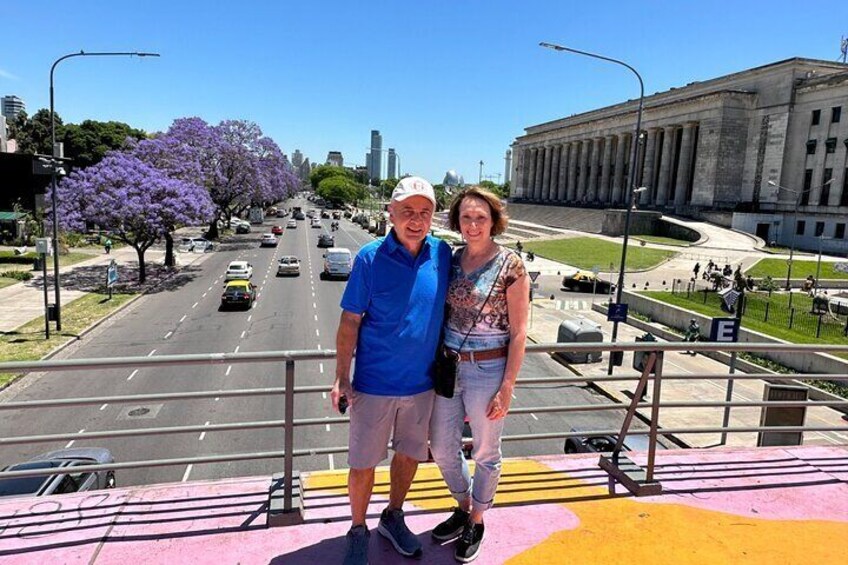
(641, 222)
(675, 317)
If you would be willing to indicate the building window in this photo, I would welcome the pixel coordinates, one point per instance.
(800, 227)
(816, 117)
(808, 184)
(843, 200)
(839, 231)
(811, 147)
(824, 196)
(835, 114)
(819, 228)
(830, 145)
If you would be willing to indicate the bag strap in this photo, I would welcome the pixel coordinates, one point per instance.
(488, 296)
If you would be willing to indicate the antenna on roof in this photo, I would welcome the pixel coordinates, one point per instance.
(843, 46)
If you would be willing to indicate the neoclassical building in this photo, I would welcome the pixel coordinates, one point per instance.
(713, 150)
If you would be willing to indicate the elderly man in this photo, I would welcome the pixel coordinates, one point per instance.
(393, 308)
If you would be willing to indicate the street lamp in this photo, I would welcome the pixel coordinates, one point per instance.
(54, 167)
(632, 179)
(798, 195)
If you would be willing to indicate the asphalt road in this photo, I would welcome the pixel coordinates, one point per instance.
(290, 313)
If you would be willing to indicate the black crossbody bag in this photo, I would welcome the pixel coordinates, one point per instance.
(447, 360)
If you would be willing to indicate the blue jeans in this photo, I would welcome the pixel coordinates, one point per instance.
(476, 385)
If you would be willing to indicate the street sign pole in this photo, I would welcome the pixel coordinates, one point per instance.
(721, 331)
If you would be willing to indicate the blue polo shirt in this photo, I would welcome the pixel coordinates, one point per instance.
(402, 299)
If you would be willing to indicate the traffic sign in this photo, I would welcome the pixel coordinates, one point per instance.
(724, 330)
(534, 275)
(617, 313)
(596, 270)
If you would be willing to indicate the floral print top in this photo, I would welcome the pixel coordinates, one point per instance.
(468, 292)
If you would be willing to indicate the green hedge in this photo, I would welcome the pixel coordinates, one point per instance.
(17, 275)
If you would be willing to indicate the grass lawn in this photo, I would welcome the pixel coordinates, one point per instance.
(64, 260)
(27, 342)
(662, 240)
(7, 282)
(587, 252)
(776, 269)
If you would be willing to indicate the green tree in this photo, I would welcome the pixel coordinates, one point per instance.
(340, 189)
(322, 172)
(33, 134)
(88, 142)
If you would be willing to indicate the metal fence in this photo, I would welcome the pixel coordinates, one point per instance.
(792, 311)
(284, 493)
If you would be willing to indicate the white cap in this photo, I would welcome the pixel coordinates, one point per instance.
(413, 186)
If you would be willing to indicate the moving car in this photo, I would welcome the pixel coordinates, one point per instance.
(277, 230)
(299, 216)
(75, 480)
(315, 223)
(292, 224)
(238, 270)
(326, 240)
(605, 444)
(238, 293)
(337, 263)
(325, 214)
(337, 215)
(268, 240)
(282, 213)
(288, 265)
(195, 244)
(585, 281)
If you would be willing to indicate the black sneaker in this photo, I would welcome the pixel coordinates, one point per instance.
(450, 529)
(468, 546)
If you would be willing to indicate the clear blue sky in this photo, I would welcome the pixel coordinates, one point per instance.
(447, 83)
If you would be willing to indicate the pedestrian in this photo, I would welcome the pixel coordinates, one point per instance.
(693, 333)
(392, 314)
(486, 326)
(519, 247)
(710, 266)
(696, 269)
(108, 246)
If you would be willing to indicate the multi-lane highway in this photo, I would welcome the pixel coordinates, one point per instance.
(184, 317)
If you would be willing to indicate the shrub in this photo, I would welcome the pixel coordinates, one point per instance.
(17, 275)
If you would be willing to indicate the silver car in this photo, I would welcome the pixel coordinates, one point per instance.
(288, 265)
(76, 479)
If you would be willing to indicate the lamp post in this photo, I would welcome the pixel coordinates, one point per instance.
(798, 195)
(632, 178)
(480, 176)
(53, 198)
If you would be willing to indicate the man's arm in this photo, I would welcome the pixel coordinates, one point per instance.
(346, 338)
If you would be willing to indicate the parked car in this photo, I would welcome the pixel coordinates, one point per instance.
(337, 263)
(315, 223)
(242, 228)
(288, 265)
(277, 230)
(238, 270)
(76, 479)
(605, 444)
(337, 215)
(268, 240)
(326, 240)
(585, 281)
(238, 293)
(195, 244)
(292, 224)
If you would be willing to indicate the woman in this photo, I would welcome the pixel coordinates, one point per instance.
(488, 301)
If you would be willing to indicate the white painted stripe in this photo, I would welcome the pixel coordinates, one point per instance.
(204, 295)
(203, 434)
(242, 334)
(324, 395)
(313, 293)
(229, 368)
(513, 396)
(169, 334)
(327, 426)
(195, 305)
(237, 348)
(182, 319)
(69, 444)
(103, 407)
(321, 368)
(332, 463)
(132, 375)
(208, 289)
(316, 317)
(314, 305)
(319, 347)
(151, 353)
(187, 473)
(249, 317)
(317, 333)
(534, 416)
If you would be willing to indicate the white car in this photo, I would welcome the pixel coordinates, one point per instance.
(292, 224)
(338, 262)
(288, 265)
(195, 244)
(316, 223)
(268, 240)
(238, 270)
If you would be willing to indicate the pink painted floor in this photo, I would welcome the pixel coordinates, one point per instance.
(777, 505)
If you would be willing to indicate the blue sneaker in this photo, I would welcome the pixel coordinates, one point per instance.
(394, 529)
(357, 546)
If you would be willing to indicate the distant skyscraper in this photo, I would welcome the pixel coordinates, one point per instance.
(10, 106)
(392, 173)
(297, 158)
(304, 169)
(335, 158)
(376, 167)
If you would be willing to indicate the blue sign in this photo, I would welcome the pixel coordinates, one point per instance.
(725, 330)
(617, 313)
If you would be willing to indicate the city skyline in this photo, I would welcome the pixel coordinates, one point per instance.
(451, 95)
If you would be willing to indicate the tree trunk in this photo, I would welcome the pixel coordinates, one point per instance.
(213, 230)
(142, 272)
(169, 251)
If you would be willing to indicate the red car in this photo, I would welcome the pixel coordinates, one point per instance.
(277, 230)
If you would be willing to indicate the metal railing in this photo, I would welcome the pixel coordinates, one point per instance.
(284, 495)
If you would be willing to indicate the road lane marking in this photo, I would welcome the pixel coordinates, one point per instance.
(321, 368)
(195, 305)
(229, 368)
(319, 347)
(313, 293)
(332, 463)
(249, 317)
(209, 289)
(203, 433)
(237, 348)
(534, 416)
(513, 396)
(132, 375)
(182, 319)
(317, 333)
(204, 295)
(70, 443)
(314, 305)
(169, 334)
(151, 353)
(242, 334)
(324, 395)
(316, 317)
(103, 407)
(187, 473)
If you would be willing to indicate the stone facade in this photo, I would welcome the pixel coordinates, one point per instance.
(719, 145)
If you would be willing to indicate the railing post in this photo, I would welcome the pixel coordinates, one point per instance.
(285, 504)
(655, 416)
(288, 464)
(791, 317)
(818, 327)
(767, 311)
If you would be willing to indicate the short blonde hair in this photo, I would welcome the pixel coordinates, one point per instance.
(496, 209)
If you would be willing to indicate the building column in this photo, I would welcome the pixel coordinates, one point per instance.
(649, 196)
(594, 160)
(665, 166)
(573, 151)
(531, 177)
(526, 156)
(537, 183)
(555, 158)
(562, 173)
(618, 174)
(583, 176)
(685, 166)
(546, 174)
(606, 162)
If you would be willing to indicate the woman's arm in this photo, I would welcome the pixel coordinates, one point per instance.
(518, 306)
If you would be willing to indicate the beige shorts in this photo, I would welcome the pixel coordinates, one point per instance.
(372, 419)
